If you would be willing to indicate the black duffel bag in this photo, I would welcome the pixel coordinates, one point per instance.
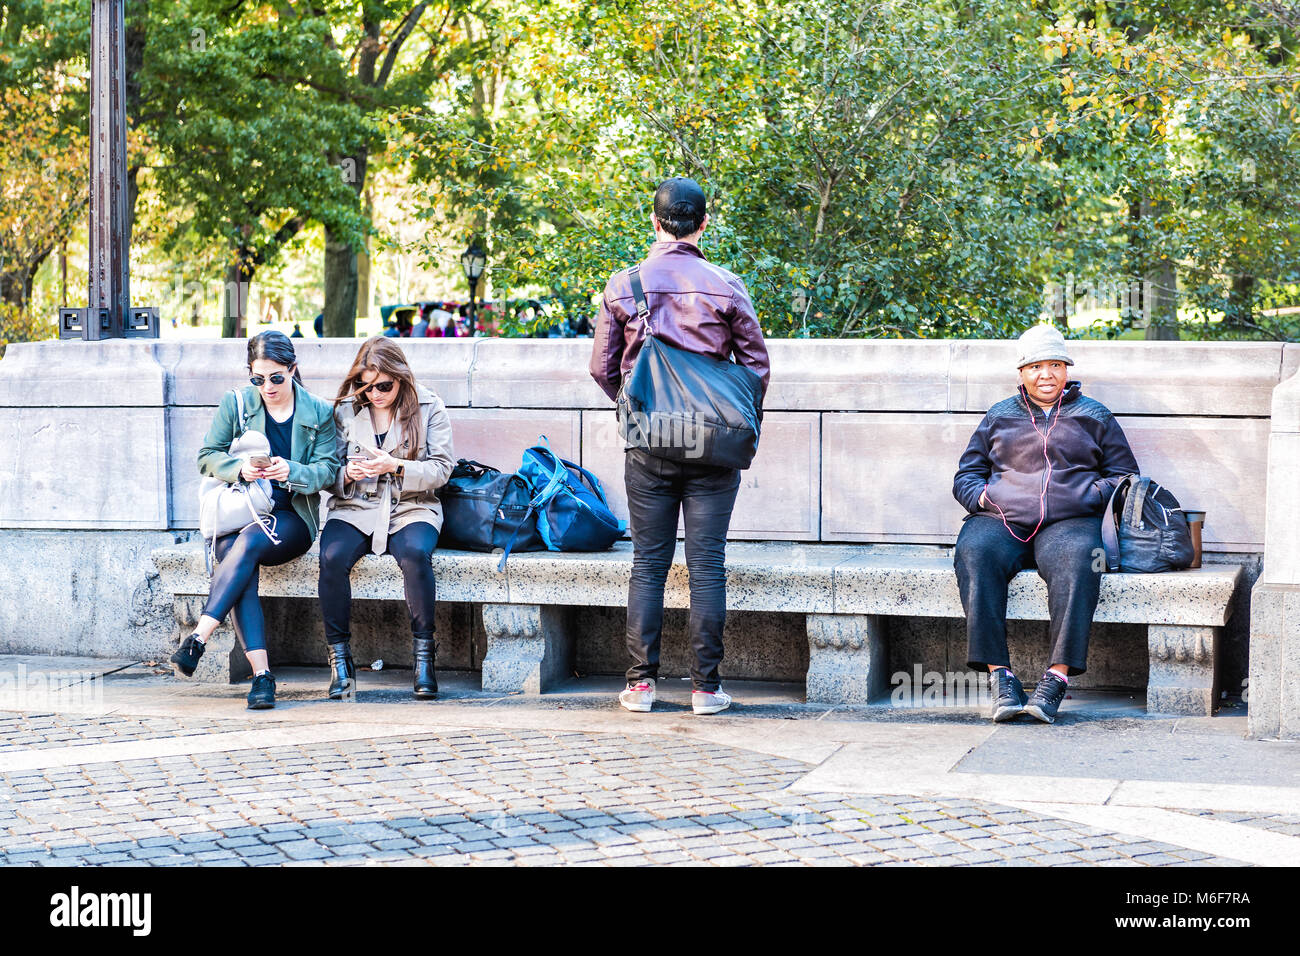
(686, 406)
(483, 507)
(1144, 529)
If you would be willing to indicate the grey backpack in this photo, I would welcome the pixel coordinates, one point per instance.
(1144, 529)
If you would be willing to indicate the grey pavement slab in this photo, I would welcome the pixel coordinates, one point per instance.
(1129, 748)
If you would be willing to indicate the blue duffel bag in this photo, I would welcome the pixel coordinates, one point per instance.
(568, 503)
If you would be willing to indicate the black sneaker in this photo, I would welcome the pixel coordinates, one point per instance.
(1047, 698)
(262, 696)
(1008, 695)
(187, 658)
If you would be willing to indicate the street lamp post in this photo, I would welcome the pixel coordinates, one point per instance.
(109, 315)
(472, 261)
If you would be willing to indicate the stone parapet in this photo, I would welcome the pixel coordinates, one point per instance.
(1275, 599)
(860, 442)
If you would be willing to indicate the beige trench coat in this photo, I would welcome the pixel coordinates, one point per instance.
(385, 505)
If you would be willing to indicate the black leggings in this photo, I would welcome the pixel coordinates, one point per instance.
(342, 546)
(234, 580)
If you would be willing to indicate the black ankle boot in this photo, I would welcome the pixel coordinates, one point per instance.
(344, 678)
(426, 681)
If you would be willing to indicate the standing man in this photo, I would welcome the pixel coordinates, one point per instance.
(1036, 477)
(702, 308)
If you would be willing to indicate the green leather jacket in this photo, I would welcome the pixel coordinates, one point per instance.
(313, 464)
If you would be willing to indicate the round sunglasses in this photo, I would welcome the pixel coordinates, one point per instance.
(277, 378)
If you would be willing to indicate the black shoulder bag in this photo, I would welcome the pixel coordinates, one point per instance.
(686, 406)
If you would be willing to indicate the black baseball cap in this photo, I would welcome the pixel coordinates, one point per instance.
(680, 199)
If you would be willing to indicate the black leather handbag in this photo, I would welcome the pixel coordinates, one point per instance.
(686, 406)
(483, 507)
(1144, 529)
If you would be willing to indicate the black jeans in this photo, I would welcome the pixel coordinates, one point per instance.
(1065, 554)
(234, 580)
(657, 489)
(342, 546)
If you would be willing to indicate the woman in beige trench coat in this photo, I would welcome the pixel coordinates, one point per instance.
(394, 439)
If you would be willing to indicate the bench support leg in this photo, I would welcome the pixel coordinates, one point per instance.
(847, 658)
(224, 661)
(1184, 669)
(529, 648)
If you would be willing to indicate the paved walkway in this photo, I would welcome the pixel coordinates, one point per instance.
(142, 767)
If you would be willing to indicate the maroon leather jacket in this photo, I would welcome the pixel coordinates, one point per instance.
(694, 305)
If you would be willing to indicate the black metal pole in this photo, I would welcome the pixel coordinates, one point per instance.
(109, 253)
(473, 284)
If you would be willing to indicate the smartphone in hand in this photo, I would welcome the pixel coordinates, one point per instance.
(260, 461)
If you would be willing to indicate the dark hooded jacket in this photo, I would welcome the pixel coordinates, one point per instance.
(1070, 473)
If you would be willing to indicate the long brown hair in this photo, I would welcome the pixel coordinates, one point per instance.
(384, 356)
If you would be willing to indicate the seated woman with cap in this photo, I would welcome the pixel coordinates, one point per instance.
(1036, 478)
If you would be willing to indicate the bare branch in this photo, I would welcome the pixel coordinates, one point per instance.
(395, 44)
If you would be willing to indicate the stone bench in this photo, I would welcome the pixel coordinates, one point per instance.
(845, 592)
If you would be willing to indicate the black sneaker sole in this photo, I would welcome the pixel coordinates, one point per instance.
(261, 705)
(1034, 711)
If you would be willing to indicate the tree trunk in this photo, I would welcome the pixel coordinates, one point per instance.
(340, 288)
(363, 284)
(341, 261)
(239, 282)
(363, 267)
(16, 284)
(11, 289)
(1161, 305)
(1160, 284)
(1239, 309)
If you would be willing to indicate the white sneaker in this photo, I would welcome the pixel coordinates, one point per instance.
(703, 702)
(638, 697)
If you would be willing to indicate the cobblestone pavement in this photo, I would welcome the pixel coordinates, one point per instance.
(49, 731)
(495, 797)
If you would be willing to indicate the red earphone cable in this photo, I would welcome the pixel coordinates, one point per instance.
(1047, 475)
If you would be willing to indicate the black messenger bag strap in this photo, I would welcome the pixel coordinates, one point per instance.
(1135, 503)
(1109, 537)
(638, 296)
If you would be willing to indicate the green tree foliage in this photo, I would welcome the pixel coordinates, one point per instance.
(1186, 114)
(247, 127)
(378, 57)
(899, 168)
(42, 153)
(881, 168)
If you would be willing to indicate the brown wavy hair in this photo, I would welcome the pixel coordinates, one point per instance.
(383, 355)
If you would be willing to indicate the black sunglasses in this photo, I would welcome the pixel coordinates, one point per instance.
(384, 387)
(277, 378)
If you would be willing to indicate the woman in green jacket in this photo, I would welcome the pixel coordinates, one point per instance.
(300, 430)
